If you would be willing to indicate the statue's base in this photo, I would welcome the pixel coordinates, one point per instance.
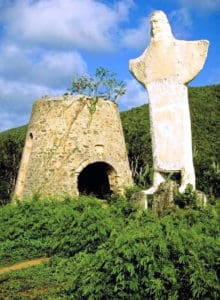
(166, 196)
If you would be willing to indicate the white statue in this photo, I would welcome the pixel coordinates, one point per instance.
(164, 68)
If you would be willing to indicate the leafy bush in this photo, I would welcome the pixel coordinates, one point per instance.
(189, 198)
(40, 225)
(129, 191)
(208, 176)
(110, 251)
(173, 257)
(86, 226)
(102, 84)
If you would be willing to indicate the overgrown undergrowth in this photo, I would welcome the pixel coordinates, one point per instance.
(103, 250)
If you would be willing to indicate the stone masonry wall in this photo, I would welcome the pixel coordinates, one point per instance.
(63, 138)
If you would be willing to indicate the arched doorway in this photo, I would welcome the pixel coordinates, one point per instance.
(94, 180)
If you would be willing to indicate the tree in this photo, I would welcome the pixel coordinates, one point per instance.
(102, 84)
(11, 145)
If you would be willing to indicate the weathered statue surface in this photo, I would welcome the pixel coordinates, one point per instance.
(164, 68)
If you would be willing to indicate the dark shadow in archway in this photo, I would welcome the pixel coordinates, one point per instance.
(94, 180)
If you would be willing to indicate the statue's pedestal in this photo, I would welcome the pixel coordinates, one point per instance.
(166, 196)
(162, 199)
(140, 199)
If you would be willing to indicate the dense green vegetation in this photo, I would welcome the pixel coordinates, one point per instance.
(109, 250)
(11, 145)
(205, 112)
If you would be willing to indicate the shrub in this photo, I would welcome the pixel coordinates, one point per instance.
(111, 251)
(150, 258)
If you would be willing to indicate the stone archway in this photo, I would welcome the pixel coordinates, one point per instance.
(96, 179)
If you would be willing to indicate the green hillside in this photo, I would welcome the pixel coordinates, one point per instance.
(205, 115)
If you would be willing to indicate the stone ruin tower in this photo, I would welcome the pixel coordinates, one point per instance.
(73, 146)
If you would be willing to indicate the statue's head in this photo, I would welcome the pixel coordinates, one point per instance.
(160, 27)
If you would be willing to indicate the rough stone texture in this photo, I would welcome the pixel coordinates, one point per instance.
(164, 67)
(161, 200)
(170, 122)
(201, 198)
(164, 196)
(140, 199)
(64, 138)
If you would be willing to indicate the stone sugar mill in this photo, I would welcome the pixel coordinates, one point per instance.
(71, 149)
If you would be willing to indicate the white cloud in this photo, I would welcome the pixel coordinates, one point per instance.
(7, 120)
(123, 8)
(57, 69)
(181, 22)
(39, 49)
(137, 38)
(16, 100)
(84, 24)
(136, 95)
(45, 67)
(29, 73)
(204, 6)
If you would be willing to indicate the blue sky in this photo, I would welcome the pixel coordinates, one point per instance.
(44, 43)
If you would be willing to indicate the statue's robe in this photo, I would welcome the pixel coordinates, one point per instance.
(164, 68)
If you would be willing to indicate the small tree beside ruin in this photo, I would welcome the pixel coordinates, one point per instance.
(103, 84)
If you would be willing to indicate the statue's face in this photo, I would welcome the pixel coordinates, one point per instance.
(160, 27)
